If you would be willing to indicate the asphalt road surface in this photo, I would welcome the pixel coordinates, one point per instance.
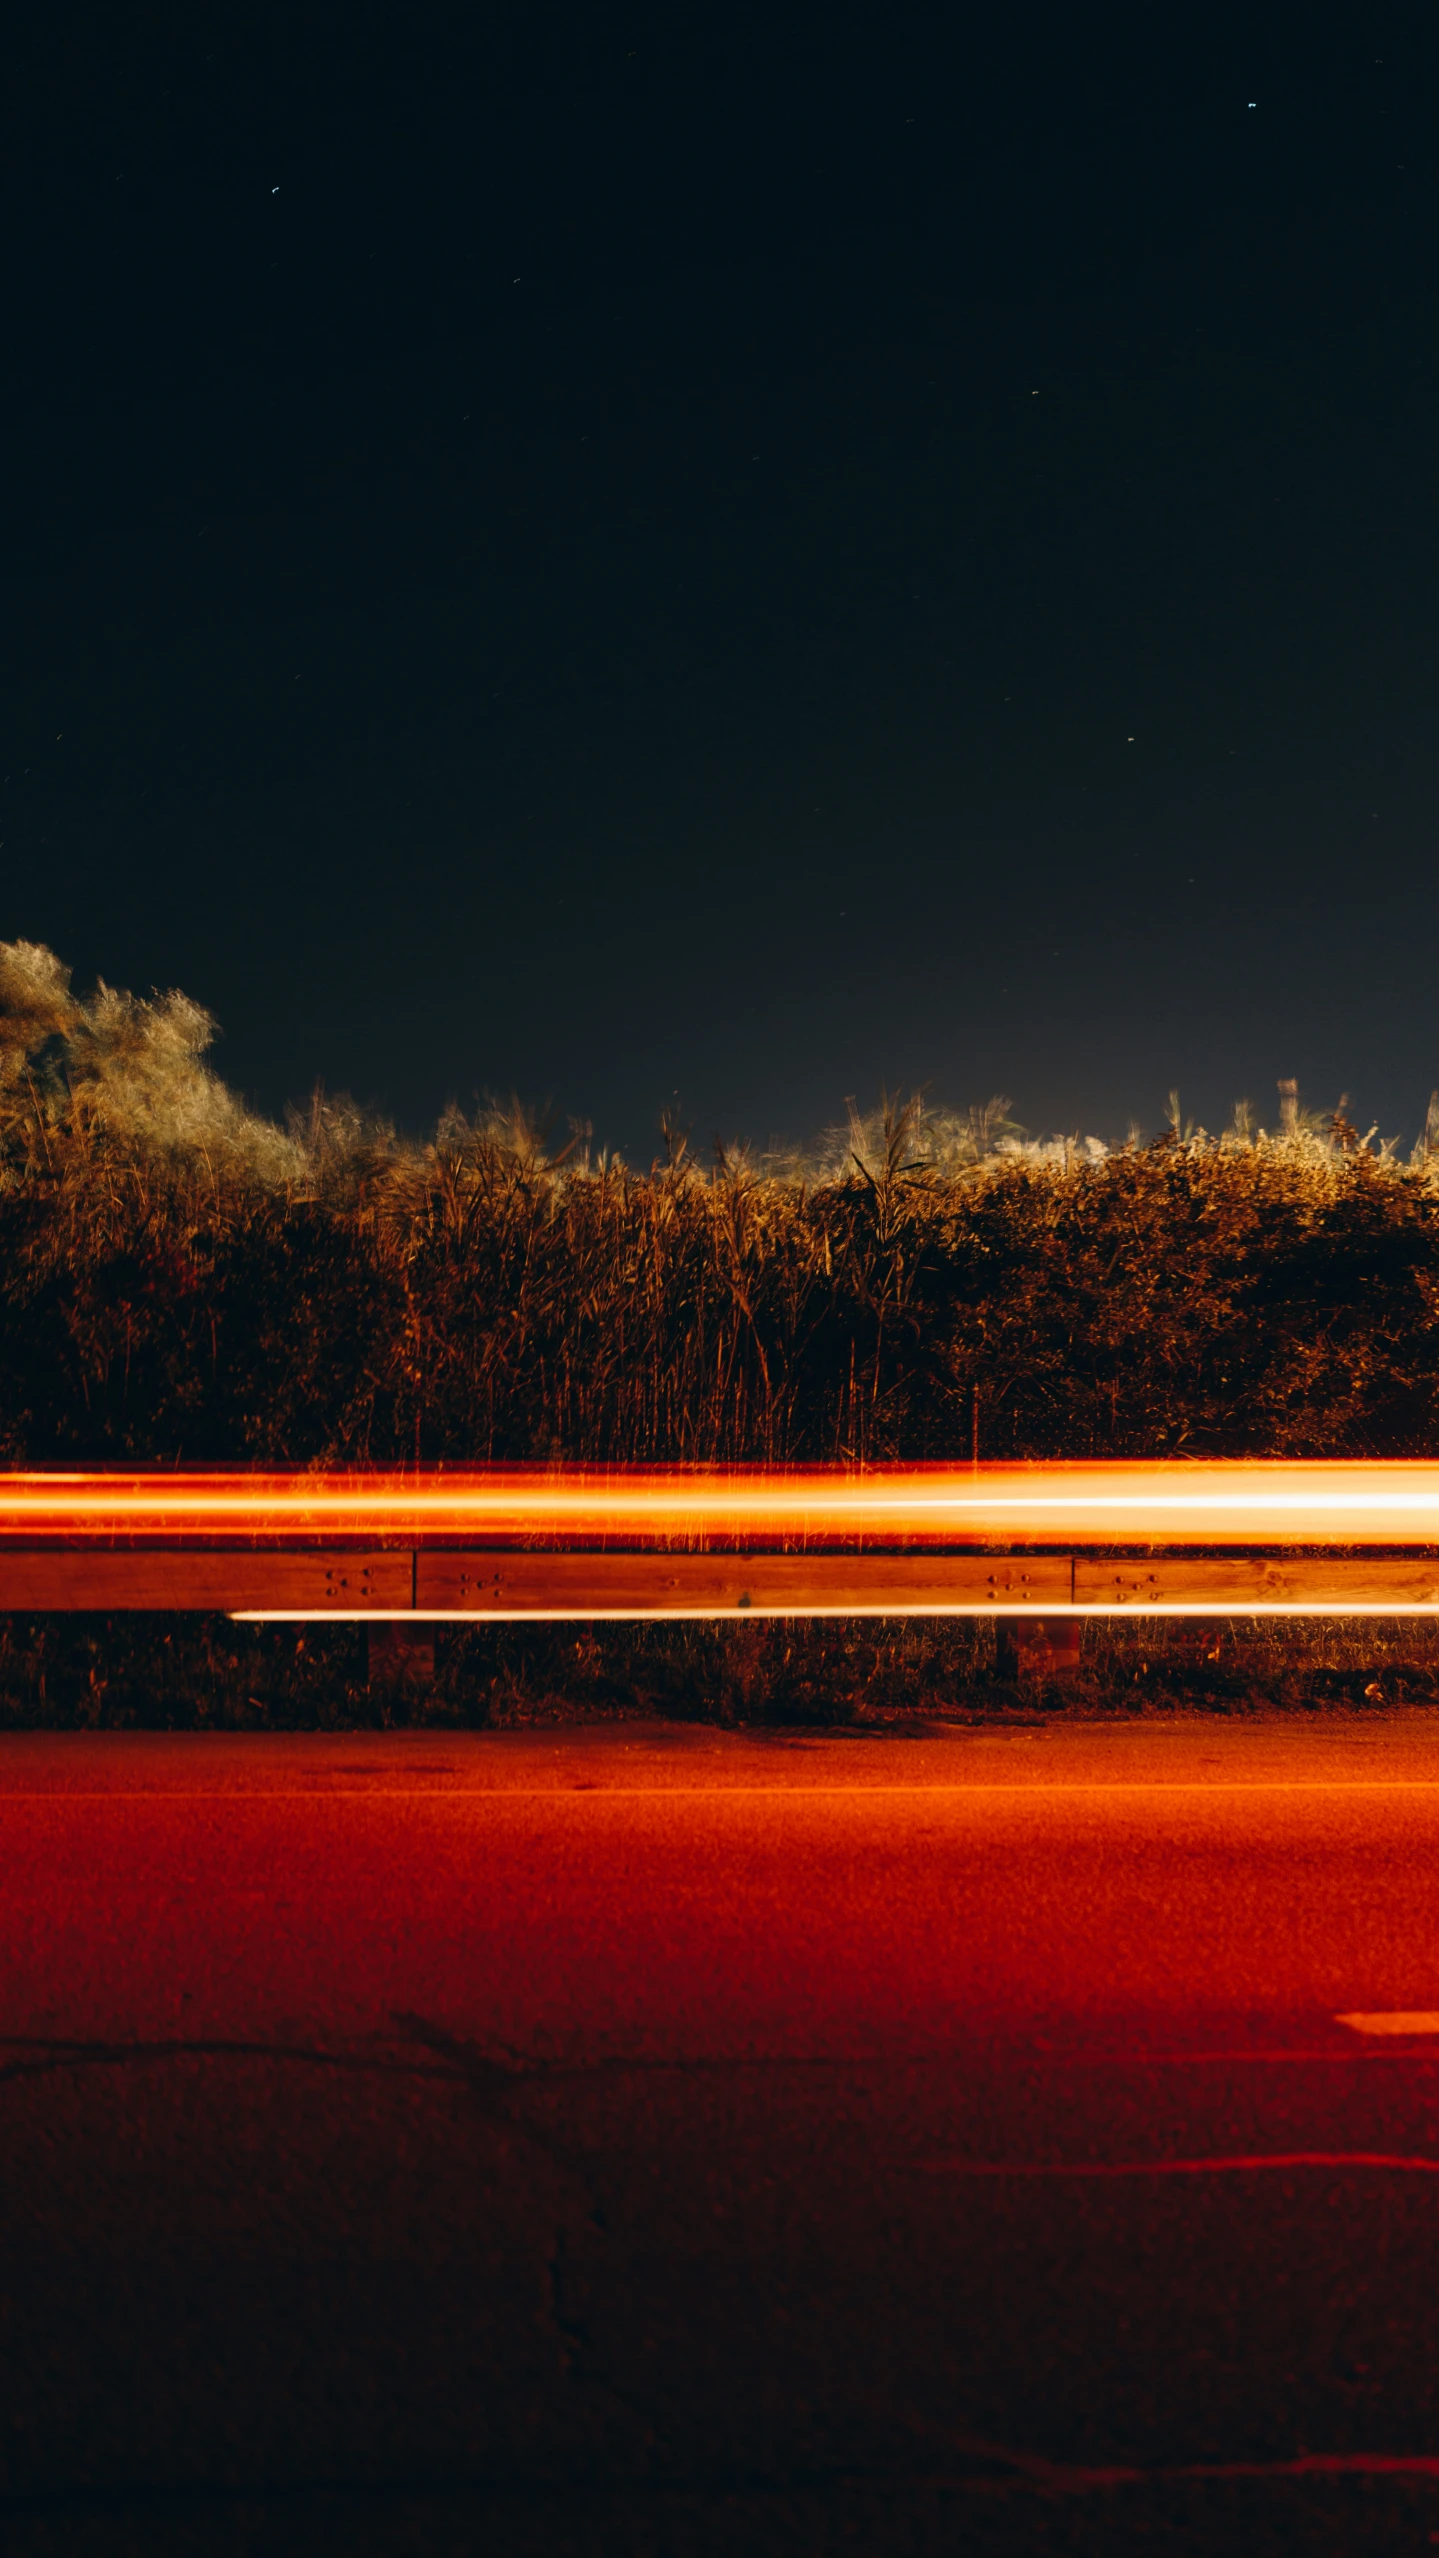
(657, 2141)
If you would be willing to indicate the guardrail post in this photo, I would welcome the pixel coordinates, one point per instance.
(1037, 1647)
(400, 1651)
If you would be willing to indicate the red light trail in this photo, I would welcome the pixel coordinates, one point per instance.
(1162, 1503)
(566, 1544)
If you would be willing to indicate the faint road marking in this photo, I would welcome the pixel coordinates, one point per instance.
(1394, 2020)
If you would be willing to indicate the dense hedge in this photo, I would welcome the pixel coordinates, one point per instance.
(472, 1301)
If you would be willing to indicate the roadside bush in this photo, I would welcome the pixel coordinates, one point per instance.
(181, 1281)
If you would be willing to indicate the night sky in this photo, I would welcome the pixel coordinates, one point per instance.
(718, 558)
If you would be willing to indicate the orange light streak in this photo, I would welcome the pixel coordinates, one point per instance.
(1234, 1502)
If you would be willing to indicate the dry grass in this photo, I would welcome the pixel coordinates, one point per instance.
(182, 1281)
(176, 1673)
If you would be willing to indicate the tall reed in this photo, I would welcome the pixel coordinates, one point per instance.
(182, 1281)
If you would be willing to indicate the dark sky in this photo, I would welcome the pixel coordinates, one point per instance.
(738, 554)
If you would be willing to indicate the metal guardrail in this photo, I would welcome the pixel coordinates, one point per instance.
(511, 1587)
(522, 1543)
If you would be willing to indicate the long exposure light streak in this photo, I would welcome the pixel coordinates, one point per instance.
(1163, 1503)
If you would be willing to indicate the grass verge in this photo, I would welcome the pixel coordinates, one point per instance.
(79, 1673)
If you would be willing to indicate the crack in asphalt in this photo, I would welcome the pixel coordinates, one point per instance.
(43, 2056)
(454, 2061)
(496, 2083)
(987, 2469)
